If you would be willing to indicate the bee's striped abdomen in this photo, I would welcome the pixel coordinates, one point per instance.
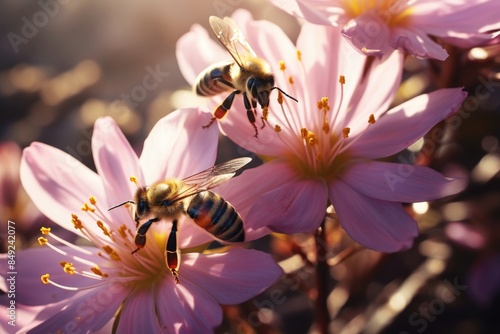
(216, 216)
(211, 81)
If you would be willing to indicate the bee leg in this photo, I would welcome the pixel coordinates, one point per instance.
(172, 252)
(140, 237)
(250, 107)
(222, 109)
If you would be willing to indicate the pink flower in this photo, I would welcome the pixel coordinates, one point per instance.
(323, 148)
(379, 27)
(85, 286)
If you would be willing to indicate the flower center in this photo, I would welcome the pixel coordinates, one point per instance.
(117, 263)
(317, 144)
(393, 12)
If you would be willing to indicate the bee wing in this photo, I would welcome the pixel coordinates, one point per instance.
(210, 177)
(231, 37)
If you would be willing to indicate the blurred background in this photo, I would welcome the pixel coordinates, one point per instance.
(64, 64)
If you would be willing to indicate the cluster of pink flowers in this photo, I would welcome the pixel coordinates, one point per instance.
(323, 150)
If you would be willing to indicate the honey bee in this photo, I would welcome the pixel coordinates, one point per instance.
(171, 198)
(248, 75)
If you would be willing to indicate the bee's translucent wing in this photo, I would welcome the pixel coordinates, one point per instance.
(231, 37)
(210, 177)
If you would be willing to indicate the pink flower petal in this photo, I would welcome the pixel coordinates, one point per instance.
(139, 312)
(244, 190)
(186, 307)
(407, 122)
(369, 34)
(295, 207)
(380, 225)
(232, 277)
(178, 146)
(88, 311)
(58, 184)
(400, 182)
(195, 51)
(115, 162)
(35, 262)
(314, 11)
(417, 43)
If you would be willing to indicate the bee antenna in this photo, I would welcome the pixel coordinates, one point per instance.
(281, 90)
(117, 206)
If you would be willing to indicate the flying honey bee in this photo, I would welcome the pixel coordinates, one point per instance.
(248, 75)
(171, 198)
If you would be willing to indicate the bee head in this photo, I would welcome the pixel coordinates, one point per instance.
(260, 89)
(141, 201)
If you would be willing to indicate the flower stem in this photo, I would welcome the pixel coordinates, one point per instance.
(322, 279)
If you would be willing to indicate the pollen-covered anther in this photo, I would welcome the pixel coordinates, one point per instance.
(69, 268)
(277, 128)
(45, 278)
(323, 104)
(342, 80)
(45, 230)
(371, 119)
(345, 132)
(43, 241)
(282, 65)
(122, 231)
(92, 200)
(86, 207)
(309, 136)
(98, 271)
(134, 179)
(104, 229)
(265, 113)
(77, 223)
(280, 97)
(111, 252)
(290, 80)
(299, 55)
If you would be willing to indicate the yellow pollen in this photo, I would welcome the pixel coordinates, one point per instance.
(77, 223)
(69, 269)
(86, 207)
(277, 128)
(371, 119)
(92, 200)
(265, 113)
(345, 132)
(103, 228)
(98, 271)
(43, 241)
(122, 230)
(290, 80)
(342, 80)
(111, 252)
(280, 97)
(326, 126)
(299, 55)
(63, 263)
(134, 179)
(282, 65)
(45, 230)
(323, 104)
(45, 278)
(309, 136)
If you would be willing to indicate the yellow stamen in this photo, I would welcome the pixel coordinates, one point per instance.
(290, 80)
(77, 223)
(265, 113)
(371, 119)
(280, 98)
(309, 136)
(299, 55)
(98, 271)
(345, 132)
(69, 269)
(92, 200)
(45, 278)
(282, 65)
(111, 252)
(43, 241)
(45, 230)
(134, 179)
(86, 207)
(122, 230)
(103, 228)
(342, 80)
(277, 128)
